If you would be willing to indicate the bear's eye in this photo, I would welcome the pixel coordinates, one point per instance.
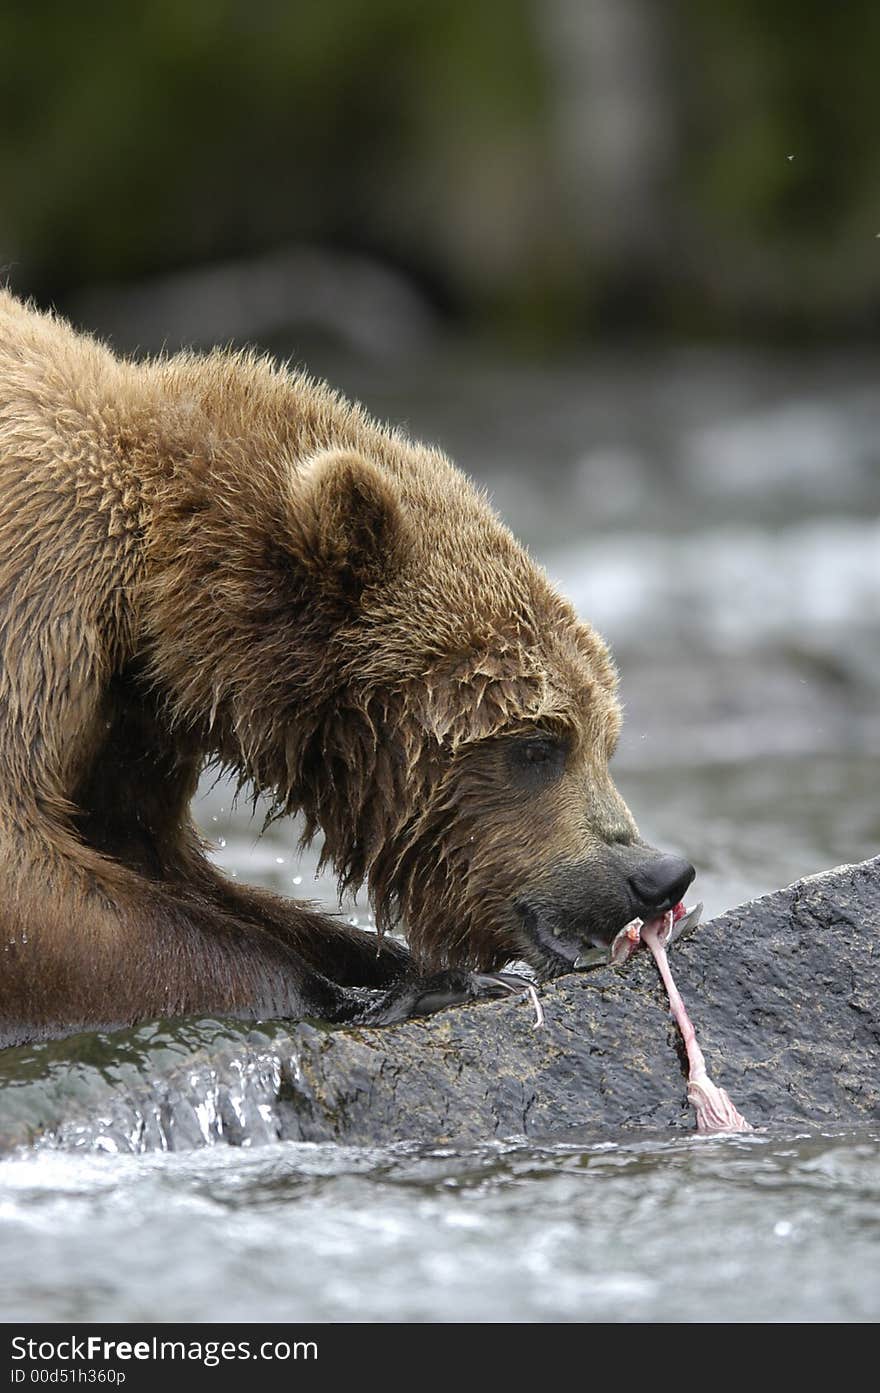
(538, 752)
(538, 757)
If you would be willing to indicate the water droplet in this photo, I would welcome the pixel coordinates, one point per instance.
(782, 1229)
(214, 819)
(279, 860)
(789, 158)
(221, 841)
(297, 880)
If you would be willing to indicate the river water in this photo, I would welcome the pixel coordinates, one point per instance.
(717, 517)
(753, 1228)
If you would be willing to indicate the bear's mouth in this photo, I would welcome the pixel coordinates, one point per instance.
(558, 952)
(670, 926)
(561, 952)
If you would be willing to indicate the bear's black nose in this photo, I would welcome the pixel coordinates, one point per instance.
(660, 884)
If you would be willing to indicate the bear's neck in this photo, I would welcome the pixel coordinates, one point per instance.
(238, 643)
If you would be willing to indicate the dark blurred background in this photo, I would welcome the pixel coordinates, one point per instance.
(537, 170)
(620, 257)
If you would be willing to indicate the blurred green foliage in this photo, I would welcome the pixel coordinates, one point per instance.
(140, 138)
(782, 156)
(136, 137)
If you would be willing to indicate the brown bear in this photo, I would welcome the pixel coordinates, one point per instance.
(216, 559)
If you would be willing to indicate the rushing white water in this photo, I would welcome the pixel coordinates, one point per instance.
(732, 589)
(750, 1228)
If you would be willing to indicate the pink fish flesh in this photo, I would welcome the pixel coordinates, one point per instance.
(712, 1105)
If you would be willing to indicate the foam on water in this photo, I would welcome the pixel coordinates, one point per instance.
(751, 1228)
(731, 587)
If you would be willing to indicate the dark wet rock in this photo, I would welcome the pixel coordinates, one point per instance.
(784, 992)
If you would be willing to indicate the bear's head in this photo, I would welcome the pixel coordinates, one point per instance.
(444, 718)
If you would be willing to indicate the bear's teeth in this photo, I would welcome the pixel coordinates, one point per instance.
(625, 943)
(594, 957)
(686, 924)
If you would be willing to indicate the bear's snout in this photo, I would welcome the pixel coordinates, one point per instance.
(583, 905)
(660, 884)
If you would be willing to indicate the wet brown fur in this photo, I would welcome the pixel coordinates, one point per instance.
(214, 558)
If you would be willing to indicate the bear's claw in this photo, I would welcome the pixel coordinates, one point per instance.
(423, 996)
(513, 983)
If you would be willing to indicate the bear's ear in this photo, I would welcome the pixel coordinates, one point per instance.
(347, 521)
